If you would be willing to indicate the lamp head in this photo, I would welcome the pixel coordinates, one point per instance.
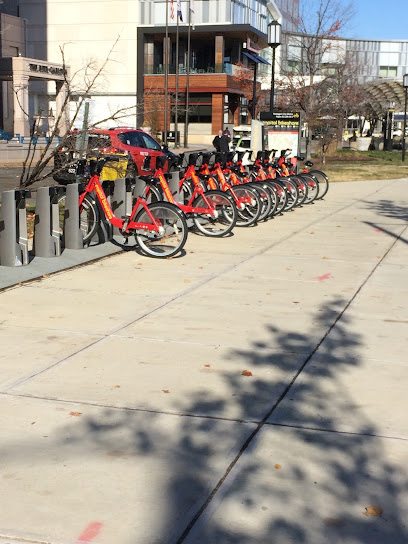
(274, 34)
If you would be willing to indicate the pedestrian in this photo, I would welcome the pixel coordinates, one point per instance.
(227, 133)
(221, 142)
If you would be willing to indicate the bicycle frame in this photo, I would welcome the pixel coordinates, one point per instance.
(186, 208)
(125, 225)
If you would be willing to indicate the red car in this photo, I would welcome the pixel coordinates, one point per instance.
(135, 142)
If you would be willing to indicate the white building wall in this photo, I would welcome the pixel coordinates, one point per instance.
(87, 30)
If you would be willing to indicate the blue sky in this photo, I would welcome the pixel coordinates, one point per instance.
(379, 20)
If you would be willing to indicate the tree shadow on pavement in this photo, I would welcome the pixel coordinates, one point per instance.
(303, 471)
(320, 464)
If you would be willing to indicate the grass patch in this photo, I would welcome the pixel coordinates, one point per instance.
(353, 165)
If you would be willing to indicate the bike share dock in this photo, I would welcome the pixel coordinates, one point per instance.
(250, 391)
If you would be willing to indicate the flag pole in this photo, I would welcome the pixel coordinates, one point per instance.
(188, 75)
(166, 73)
(176, 142)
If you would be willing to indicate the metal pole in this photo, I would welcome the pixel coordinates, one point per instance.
(188, 75)
(166, 73)
(254, 93)
(405, 125)
(176, 143)
(272, 81)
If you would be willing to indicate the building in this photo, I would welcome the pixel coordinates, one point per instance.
(206, 55)
(133, 78)
(19, 74)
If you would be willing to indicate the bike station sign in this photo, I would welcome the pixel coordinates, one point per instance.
(282, 130)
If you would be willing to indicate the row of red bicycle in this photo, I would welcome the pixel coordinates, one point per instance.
(215, 193)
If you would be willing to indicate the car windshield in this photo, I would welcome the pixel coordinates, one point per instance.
(149, 142)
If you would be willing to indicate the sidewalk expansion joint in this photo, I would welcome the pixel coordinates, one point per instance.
(127, 408)
(334, 431)
(264, 421)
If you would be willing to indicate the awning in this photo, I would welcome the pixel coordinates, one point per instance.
(383, 92)
(255, 58)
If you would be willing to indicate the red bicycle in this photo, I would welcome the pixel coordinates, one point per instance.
(213, 212)
(160, 228)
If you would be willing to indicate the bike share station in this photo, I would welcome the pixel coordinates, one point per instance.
(57, 236)
(281, 131)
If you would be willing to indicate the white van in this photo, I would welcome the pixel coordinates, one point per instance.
(241, 141)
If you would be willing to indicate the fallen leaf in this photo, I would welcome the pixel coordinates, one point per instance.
(200, 267)
(296, 302)
(312, 232)
(165, 391)
(116, 386)
(75, 414)
(325, 257)
(186, 281)
(246, 373)
(208, 366)
(373, 511)
(268, 293)
(45, 275)
(278, 466)
(287, 268)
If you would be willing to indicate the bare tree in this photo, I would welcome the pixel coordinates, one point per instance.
(315, 57)
(79, 88)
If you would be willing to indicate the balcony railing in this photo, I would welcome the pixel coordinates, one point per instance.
(229, 69)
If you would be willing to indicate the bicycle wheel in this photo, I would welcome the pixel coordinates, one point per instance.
(266, 198)
(89, 216)
(171, 241)
(281, 194)
(226, 214)
(249, 205)
(186, 192)
(292, 194)
(274, 198)
(312, 188)
(302, 189)
(323, 182)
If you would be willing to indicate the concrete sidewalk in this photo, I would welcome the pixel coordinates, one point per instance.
(250, 392)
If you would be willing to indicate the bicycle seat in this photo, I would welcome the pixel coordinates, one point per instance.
(204, 177)
(147, 179)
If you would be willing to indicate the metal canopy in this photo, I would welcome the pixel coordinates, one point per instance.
(255, 58)
(383, 93)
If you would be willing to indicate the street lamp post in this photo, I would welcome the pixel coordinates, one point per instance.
(405, 85)
(274, 33)
(389, 122)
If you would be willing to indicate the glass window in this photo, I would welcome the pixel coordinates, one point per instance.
(149, 142)
(131, 138)
(96, 141)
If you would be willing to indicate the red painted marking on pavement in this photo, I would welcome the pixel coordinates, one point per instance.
(378, 230)
(90, 532)
(325, 277)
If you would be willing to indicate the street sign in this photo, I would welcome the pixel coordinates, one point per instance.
(282, 130)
